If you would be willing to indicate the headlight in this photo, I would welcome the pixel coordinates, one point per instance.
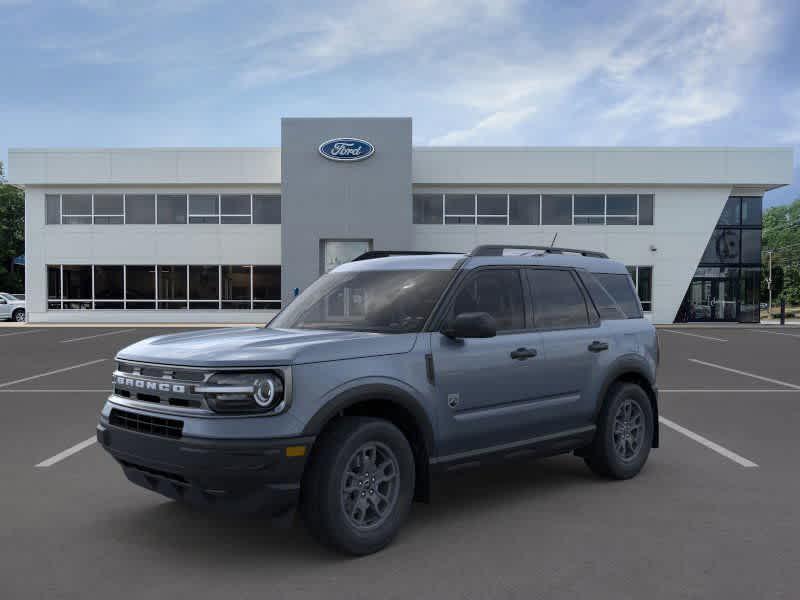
(244, 392)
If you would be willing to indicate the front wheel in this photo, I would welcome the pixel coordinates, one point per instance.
(624, 433)
(359, 486)
(19, 315)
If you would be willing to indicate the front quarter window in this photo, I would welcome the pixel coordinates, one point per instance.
(387, 301)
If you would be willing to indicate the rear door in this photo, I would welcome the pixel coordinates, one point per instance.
(5, 308)
(574, 345)
(487, 389)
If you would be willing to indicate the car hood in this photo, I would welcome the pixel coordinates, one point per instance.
(259, 346)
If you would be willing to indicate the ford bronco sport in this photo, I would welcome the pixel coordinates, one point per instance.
(383, 373)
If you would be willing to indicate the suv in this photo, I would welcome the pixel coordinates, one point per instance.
(12, 308)
(382, 374)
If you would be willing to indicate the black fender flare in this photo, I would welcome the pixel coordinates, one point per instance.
(374, 391)
(636, 365)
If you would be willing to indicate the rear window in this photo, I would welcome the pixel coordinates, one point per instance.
(621, 289)
(606, 306)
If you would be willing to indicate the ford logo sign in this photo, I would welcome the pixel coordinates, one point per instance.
(346, 149)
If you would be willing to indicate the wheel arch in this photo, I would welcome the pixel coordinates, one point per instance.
(633, 370)
(393, 404)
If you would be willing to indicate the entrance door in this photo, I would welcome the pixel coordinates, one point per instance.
(711, 300)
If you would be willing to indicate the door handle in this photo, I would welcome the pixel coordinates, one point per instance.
(523, 353)
(597, 346)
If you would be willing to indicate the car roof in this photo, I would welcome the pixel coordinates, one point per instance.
(465, 261)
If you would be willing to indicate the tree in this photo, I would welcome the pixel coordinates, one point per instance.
(12, 235)
(781, 235)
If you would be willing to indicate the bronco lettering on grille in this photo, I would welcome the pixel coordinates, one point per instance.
(155, 386)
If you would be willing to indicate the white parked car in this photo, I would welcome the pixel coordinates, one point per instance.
(12, 308)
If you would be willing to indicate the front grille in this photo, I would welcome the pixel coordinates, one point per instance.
(171, 428)
(162, 372)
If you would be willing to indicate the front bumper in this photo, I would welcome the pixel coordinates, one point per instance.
(243, 476)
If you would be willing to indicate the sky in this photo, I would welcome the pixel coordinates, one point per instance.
(107, 73)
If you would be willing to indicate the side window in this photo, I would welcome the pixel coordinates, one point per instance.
(557, 300)
(621, 288)
(606, 306)
(497, 292)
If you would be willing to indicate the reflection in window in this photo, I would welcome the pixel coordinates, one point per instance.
(76, 209)
(267, 209)
(109, 209)
(53, 209)
(236, 287)
(171, 209)
(590, 209)
(235, 209)
(459, 209)
(730, 213)
(557, 299)
(557, 209)
(203, 286)
(204, 208)
(172, 286)
(751, 211)
(497, 292)
(140, 209)
(428, 209)
(523, 209)
(492, 209)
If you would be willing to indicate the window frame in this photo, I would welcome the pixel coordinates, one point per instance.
(135, 304)
(636, 285)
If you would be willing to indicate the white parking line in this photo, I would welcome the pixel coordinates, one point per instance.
(22, 332)
(91, 337)
(746, 374)
(67, 453)
(794, 335)
(24, 379)
(728, 391)
(697, 335)
(740, 460)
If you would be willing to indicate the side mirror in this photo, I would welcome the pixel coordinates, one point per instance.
(471, 325)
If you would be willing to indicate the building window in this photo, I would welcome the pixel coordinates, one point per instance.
(236, 209)
(53, 209)
(533, 209)
(140, 209)
(266, 209)
(76, 282)
(459, 209)
(172, 285)
(109, 209)
(163, 287)
(171, 209)
(523, 209)
(643, 282)
(589, 209)
(492, 209)
(76, 209)
(236, 287)
(109, 286)
(204, 208)
(428, 209)
(556, 209)
(266, 287)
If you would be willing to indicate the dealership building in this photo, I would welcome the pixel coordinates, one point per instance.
(232, 234)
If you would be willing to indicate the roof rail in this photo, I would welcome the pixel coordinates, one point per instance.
(497, 250)
(384, 253)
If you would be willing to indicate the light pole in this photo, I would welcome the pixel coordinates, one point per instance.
(769, 286)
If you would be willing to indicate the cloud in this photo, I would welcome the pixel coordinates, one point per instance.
(683, 64)
(498, 122)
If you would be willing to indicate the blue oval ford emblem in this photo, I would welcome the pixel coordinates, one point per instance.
(346, 149)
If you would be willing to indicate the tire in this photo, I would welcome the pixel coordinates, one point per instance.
(620, 447)
(18, 315)
(334, 499)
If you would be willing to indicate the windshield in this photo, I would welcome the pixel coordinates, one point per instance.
(380, 301)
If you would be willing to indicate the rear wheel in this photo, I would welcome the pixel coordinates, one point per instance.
(359, 486)
(19, 315)
(624, 433)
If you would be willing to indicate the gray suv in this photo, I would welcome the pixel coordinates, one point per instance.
(384, 373)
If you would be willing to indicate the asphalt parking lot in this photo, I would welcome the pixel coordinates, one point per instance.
(713, 515)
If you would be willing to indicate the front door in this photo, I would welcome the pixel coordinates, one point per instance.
(487, 388)
(711, 300)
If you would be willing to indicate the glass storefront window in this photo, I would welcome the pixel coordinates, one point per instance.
(730, 214)
(723, 247)
(751, 211)
(750, 295)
